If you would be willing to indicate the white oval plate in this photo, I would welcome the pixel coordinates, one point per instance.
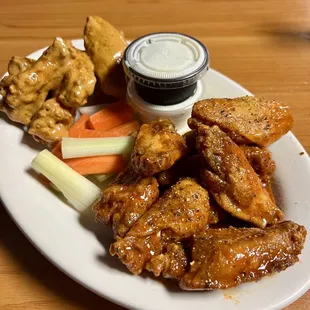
(79, 247)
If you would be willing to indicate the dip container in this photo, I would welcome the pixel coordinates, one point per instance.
(163, 72)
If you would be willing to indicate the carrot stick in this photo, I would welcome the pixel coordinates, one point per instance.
(97, 164)
(119, 131)
(81, 123)
(112, 116)
(123, 130)
(57, 150)
(93, 165)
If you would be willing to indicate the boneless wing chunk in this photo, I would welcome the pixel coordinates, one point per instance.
(181, 211)
(158, 146)
(105, 46)
(126, 200)
(246, 119)
(62, 70)
(78, 81)
(51, 123)
(231, 179)
(223, 258)
(29, 88)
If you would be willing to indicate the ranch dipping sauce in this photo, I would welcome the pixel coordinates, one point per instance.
(163, 72)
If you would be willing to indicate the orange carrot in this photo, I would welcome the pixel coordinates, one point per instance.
(57, 150)
(111, 116)
(87, 133)
(123, 130)
(119, 131)
(97, 164)
(94, 164)
(81, 123)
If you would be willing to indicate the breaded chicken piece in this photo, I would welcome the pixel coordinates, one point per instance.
(51, 123)
(158, 146)
(30, 82)
(263, 164)
(246, 119)
(78, 82)
(105, 46)
(126, 200)
(223, 258)
(232, 181)
(182, 211)
(19, 64)
(28, 89)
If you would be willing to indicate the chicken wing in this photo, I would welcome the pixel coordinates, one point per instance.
(262, 163)
(246, 119)
(181, 211)
(105, 46)
(158, 146)
(171, 263)
(231, 179)
(188, 166)
(63, 70)
(126, 200)
(51, 123)
(223, 258)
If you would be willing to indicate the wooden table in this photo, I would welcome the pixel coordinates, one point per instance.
(263, 45)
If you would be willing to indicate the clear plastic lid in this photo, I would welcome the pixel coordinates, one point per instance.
(166, 60)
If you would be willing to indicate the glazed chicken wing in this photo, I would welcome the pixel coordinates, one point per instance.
(231, 179)
(180, 212)
(223, 258)
(171, 263)
(188, 166)
(263, 164)
(158, 146)
(246, 119)
(126, 200)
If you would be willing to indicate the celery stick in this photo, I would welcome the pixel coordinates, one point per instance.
(80, 192)
(84, 147)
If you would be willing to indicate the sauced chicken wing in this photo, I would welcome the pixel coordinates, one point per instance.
(231, 179)
(126, 200)
(171, 263)
(62, 70)
(51, 123)
(188, 166)
(158, 146)
(19, 64)
(105, 46)
(61, 67)
(28, 89)
(16, 65)
(78, 81)
(223, 258)
(246, 119)
(180, 212)
(262, 163)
